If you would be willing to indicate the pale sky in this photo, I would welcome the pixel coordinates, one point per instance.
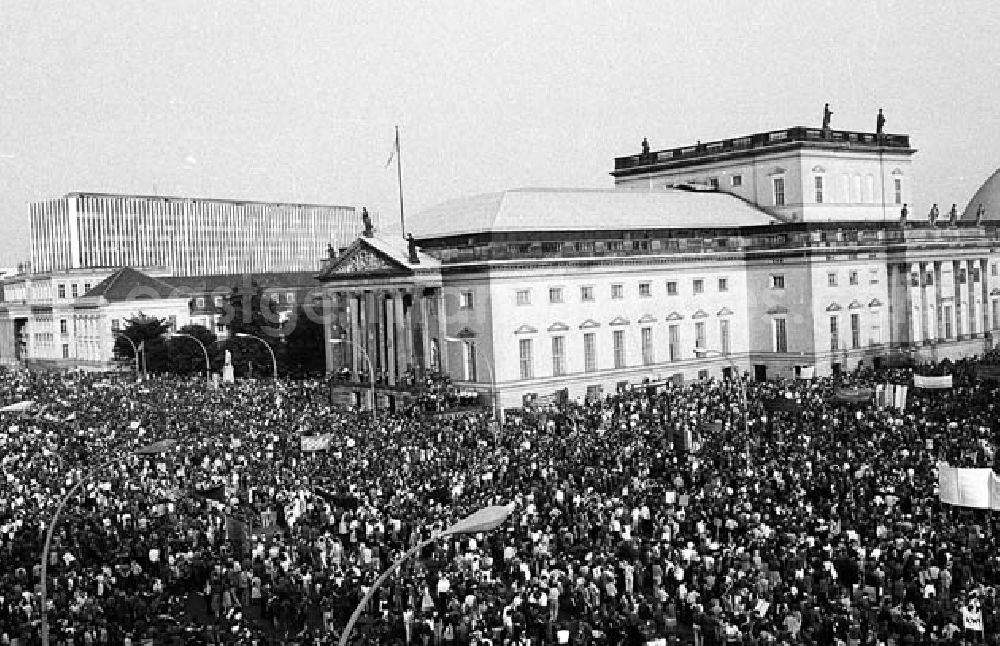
(296, 101)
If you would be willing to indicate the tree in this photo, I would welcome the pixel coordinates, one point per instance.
(305, 345)
(147, 333)
(186, 358)
(252, 312)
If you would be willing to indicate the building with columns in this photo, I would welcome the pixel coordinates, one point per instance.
(673, 276)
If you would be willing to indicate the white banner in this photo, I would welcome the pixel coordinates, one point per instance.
(899, 401)
(316, 442)
(944, 381)
(807, 372)
(977, 488)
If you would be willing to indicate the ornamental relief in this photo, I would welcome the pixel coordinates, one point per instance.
(362, 261)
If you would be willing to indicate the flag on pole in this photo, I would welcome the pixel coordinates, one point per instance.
(395, 151)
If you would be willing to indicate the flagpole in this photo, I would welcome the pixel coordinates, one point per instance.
(399, 179)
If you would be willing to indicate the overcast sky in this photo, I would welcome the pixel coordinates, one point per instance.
(296, 101)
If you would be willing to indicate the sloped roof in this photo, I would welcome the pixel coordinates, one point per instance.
(989, 196)
(216, 282)
(543, 209)
(127, 284)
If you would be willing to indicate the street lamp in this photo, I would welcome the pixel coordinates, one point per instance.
(135, 350)
(274, 362)
(703, 352)
(484, 520)
(150, 449)
(208, 365)
(489, 369)
(371, 371)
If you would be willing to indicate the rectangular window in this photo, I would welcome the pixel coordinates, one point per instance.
(699, 285)
(737, 180)
(873, 276)
(75, 289)
(217, 301)
(199, 302)
(831, 279)
(834, 333)
(947, 321)
(527, 367)
(558, 356)
(779, 191)
(724, 336)
(63, 326)
(65, 351)
(618, 336)
(465, 300)
(469, 360)
(995, 269)
(617, 291)
(699, 334)
(723, 284)
(86, 287)
(172, 323)
(115, 324)
(671, 288)
(780, 336)
(290, 298)
(958, 319)
(855, 330)
(876, 329)
(996, 314)
(555, 295)
(778, 281)
(590, 352)
(714, 182)
(644, 289)
(524, 297)
(898, 190)
(587, 293)
(648, 357)
(818, 183)
(674, 341)
(62, 290)
(852, 278)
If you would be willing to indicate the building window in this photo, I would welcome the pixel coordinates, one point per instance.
(115, 324)
(876, 329)
(465, 300)
(86, 287)
(587, 293)
(714, 183)
(852, 277)
(63, 327)
(831, 279)
(527, 368)
(469, 360)
(199, 302)
(818, 183)
(958, 319)
(873, 276)
(65, 351)
(76, 290)
(723, 284)
(290, 298)
(834, 333)
(555, 295)
(217, 301)
(778, 281)
(648, 357)
(996, 314)
(699, 334)
(618, 336)
(702, 375)
(995, 269)
(672, 287)
(724, 336)
(737, 180)
(62, 290)
(558, 356)
(855, 330)
(674, 342)
(172, 323)
(779, 191)
(644, 289)
(780, 336)
(617, 291)
(698, 285)
(947, 321)
(524, 297)
(897, 185)
(590, 352)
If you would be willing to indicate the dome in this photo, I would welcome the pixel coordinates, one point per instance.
(989, 196)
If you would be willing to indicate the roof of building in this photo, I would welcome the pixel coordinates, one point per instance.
(541, 209)
(128, 284)
(277, 280)
(213, 200)
(384, 255)
(989, 196)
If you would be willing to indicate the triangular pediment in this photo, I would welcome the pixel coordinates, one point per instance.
(589, 323)
(833, 307)
(875, 303)
(526, 329)
(778, 309)
(855, 305)
(619, 320)
(647, 318)
(674, 316)
(558, 327)
(725, 311)
(700, 314)
(364, 259)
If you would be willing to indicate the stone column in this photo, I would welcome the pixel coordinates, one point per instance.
(442, 330)
(425, 333)
(354, 336)
(390, 337)
(961, 299)
(939, 295)
(402, 346)
(370, 328)
(913, 301)
(331, 330)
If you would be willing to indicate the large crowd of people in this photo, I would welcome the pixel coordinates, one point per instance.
(680, 513)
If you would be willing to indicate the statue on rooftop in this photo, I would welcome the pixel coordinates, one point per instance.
(880, 123)
(953, 215)
(903, 212)
(367, 220)
(980, 214)
(411, 247)
(933, 215)
(645, 146)
(331, 251)
(826, 116)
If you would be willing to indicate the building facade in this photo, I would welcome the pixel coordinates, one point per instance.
(187, 236)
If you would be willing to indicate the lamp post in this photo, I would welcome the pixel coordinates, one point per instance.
(371, 371)
(484, 520)
(135, 350)
(208, 365)
(489, 369)
(150, 449)
(702, 352)
(274, 361)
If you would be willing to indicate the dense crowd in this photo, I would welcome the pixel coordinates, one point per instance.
(673, 512)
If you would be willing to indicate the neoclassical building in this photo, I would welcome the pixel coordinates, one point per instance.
(679, 272)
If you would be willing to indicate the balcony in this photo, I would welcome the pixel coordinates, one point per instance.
(839, 138)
